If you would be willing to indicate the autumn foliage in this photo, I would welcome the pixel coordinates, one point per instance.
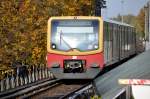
(23, 27)
(137, 21)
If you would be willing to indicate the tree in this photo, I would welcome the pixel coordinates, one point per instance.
(141, 22)
(137, 21)
(23, 27)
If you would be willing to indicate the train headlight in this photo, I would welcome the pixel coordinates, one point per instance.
(80, 65)
(53, 46)
(68, 66)
(95, 46)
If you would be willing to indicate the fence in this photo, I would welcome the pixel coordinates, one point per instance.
(12, 81)
(124, 93)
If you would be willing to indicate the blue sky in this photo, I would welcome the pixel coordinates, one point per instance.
(115, 7)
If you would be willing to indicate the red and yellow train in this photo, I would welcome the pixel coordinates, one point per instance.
(79, 47)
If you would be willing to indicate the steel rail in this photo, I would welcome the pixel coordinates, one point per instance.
(11, 91)
(78, 92)
(28, 88)
(40, 89)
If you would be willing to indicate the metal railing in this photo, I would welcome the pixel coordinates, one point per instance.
(12, 81)
(124, 93)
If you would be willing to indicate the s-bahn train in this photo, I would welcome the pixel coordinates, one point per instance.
(79, 47)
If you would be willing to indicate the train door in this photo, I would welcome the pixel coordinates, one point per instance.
(130, 41)
(118, 41)
(105, 42)
(121, 42)
(133, 40)
(125, 42)
(120, 38)
(115, 39)
(110, 43)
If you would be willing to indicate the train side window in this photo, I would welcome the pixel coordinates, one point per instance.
(123, 41)
(124, 35)
(111, 41)
(112, 38)
(134, 39)
(120, 43)
(106, 32)
(131, 40)
(127, 40)
(122, 30)
(117, 37)
(115, 41)
(125, 46)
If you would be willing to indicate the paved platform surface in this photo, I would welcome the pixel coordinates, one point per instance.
(137, 68)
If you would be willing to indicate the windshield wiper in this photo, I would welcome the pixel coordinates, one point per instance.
(61, 38)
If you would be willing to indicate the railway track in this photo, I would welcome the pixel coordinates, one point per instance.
(52, 89)
(56, 91)
(37, 90)
(85, 92)
(63, 90)
(23, 91)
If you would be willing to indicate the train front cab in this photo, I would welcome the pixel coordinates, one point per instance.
(75, 47)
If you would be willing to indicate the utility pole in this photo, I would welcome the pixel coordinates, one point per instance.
(146, 22)
(147, 26)
(122, 6)
(99, 4)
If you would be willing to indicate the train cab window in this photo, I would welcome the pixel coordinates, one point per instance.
(82, 35)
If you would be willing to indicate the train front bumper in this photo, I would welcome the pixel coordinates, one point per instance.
(90, 73)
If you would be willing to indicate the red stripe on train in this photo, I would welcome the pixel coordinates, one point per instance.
(90, 59)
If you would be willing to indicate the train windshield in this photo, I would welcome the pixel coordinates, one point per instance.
(74, 34)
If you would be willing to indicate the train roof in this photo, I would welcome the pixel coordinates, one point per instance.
(117, 22)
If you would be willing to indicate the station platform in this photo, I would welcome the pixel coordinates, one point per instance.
(137, 68)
